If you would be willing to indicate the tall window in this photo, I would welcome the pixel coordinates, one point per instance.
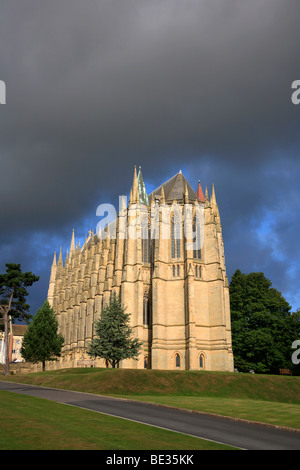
(146, 310)
(197, 238)
(146, 243)
(201, 361)
(198, 271)
(177, 360)
(175, 238)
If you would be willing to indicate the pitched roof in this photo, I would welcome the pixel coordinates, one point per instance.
(174, 188)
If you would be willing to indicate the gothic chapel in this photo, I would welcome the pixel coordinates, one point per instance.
(175, 290)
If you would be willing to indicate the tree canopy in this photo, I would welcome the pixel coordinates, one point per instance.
(263, 327)
(13, 293)
(41, 341)
(113, 340)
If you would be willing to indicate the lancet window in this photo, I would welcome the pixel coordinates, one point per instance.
(146, 243)
(175, 238)
(197, 238)
(146, 310)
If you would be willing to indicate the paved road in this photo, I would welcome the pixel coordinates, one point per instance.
(236, 433)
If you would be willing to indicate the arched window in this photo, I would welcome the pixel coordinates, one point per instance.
(178, 270)
(196, 271)
(174, 271)
(146, 243)
(175, 238)
(177, 360)
(146, 362)
(197, 238)
(201, 361)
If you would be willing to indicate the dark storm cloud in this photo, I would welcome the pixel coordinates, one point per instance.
(94, 87)
(260, 209)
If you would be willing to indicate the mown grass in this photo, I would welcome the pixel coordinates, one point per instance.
(268, 412)
(30, 423)
(264, 398)
(284, 389)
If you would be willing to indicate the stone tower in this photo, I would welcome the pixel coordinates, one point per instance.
(164, 255)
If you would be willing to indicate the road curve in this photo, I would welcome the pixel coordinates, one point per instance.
(244, 435)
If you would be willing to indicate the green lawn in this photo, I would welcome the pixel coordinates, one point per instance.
(268, 412)
(270, 399)
(36, 424)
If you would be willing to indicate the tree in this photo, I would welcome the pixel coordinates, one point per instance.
(113, 335)
(13, 295)
(41, 341)
(263, 328)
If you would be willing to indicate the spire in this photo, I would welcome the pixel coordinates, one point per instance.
(213, 202)
(213, 195)
(206, 194)
(72, 247)
(200, 195)
(53, 269)
(60, 261)
(135, 188)
(52, 280)
(143, 196)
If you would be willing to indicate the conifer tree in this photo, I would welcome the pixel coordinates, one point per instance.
(41, 341)
(13, 306)
(113, 341)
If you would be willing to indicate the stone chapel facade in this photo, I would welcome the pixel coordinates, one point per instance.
(175, 290)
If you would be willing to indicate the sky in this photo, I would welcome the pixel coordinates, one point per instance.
(94, 87)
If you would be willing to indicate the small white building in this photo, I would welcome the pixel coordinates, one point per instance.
(15, 340)
(18, 332)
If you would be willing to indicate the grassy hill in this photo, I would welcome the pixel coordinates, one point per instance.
(131, 382)
(269, 399)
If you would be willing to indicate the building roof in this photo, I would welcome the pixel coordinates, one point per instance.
(175, 188)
